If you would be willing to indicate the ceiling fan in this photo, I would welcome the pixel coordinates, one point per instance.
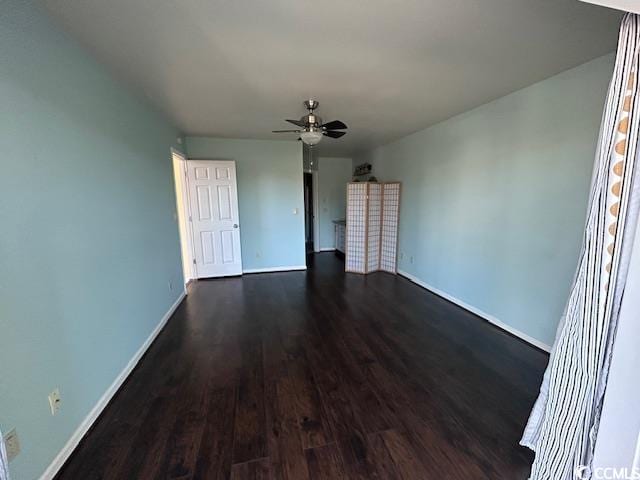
(312, 129)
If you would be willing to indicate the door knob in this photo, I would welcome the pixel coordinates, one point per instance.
(235, 225)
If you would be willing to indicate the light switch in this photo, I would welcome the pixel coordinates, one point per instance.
(295, 211)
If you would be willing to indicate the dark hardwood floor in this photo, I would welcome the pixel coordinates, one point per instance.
(318, 375)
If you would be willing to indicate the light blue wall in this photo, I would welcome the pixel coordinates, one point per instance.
(494, 200)
(333, 175)
(269, 189)
(88, 241)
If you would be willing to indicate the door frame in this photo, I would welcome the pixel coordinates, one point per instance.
(183, 211)
(316, 207)
(316, 212)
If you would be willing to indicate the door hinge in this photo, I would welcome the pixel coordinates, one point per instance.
(194, 261)
(190, 218)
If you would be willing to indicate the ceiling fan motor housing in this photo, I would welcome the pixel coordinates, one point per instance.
(311, 120)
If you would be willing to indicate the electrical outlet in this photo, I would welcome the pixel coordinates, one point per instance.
(55, 401)
(258, 255)
(12, 442)
(411, 259)
(170, 286)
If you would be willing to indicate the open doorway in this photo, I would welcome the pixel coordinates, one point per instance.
(308, 213)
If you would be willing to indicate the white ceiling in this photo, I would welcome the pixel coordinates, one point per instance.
(632, 6)
(237, 68)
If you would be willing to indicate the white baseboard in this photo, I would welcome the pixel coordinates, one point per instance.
(489, 318)
(328, 249)
(275, 269)
(95, 412)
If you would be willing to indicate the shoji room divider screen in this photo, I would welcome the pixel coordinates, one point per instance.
(372, 226)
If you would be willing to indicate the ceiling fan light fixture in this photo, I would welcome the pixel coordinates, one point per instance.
(311, 127)
(311, 137)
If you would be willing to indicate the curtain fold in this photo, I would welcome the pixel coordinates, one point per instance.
(4, 463)
(563, 426)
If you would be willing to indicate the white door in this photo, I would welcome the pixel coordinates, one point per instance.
(213, 195)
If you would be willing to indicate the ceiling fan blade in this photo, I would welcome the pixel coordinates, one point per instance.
(333, 134)
(296, 122)
(335, 125)
(285, 131)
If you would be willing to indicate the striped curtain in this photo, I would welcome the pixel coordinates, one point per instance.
(563, 426)
(4, 463)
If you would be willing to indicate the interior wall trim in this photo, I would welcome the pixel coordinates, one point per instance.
(95, 412)
(476, 311)
(328, 249)
(316, 211)
(289, 268)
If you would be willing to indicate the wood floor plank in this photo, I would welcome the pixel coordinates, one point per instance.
(439, 443)
(181, 451)
(311, 418)
(404, 457)
(250, 441)
(366, 458)
(255, 470)
(380, 458)
(318, 374)
(325, 463)
(285, 444)
(354, 452)
(216, 445)
(342, 413)
(145, 453)
(374, 416)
